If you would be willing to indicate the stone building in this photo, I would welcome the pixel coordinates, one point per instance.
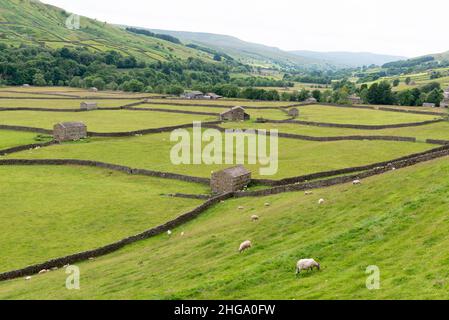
(429, 105)
(235, 114)
(88, 105)
(193, 95)
(444, 104)
(212, 96)
(93, 89)
(69, 131)
(230, 180)
(293, 112)
(311, 100)
(354, 99)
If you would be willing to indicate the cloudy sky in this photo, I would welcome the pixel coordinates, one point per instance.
(400, 27)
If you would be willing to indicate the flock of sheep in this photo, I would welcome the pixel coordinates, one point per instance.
(302, 264)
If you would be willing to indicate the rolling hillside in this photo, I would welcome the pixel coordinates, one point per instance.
(32, 22)
(247, 52)
(349, 59)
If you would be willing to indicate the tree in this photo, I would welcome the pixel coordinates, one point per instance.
(99, 83)
(39, 80)
(396, 82)
(133, 86)
(435, 96)
(317, 95)
(408, 80)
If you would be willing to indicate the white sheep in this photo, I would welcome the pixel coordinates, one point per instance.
(245, 246)
(169, 233)
(43, 271)
(267, 204)
(356, 182)
(321, 201)
(255, 218)
(308, 193)
(28, 278)
(240, 208)
(306, 264)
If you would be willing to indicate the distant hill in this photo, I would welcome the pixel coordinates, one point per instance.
(33, 22)
(247, 52)
(349, 59)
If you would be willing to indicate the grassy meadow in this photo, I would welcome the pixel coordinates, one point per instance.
(396, 221)
(296, 157)
(52, 211)
(100, 121)
(393, 221)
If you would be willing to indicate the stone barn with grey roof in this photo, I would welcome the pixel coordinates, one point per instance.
(230, 180)
(293, 112)
(88, 105)
(69, 131)
(234, 114)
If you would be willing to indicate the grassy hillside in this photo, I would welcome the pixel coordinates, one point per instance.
(394, 221)
(32, 22)
(247, 52)
(349, 59)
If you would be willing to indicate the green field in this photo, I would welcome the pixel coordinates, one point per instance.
(318, 113)
(393, 221)
(60, 104)
(272, 114)
(226, 102)
(432, 131)
(296, 157)
(48, 212)
(396, 221)
(101, 121)
(10, 139)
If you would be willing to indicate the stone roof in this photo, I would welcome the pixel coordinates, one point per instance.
(236, 171)
(71, 124)
(233, 109)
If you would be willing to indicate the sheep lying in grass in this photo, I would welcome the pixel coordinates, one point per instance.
(254, 218)
(306, 264)
(245, 246)
(321, 201)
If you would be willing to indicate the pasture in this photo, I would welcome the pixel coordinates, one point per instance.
(395, 220)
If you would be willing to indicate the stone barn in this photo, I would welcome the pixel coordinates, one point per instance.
(212, 96)
(293, 112)
(429, 105)
(230, 180)
(89, 105)
(69, 131)
(93, 89)
(234, 114)
(311, 100)
(354, 99)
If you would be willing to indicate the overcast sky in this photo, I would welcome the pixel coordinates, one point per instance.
(400, 27)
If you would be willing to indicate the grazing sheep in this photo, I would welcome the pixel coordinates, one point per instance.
(182, 234)
(267, 204)
(241, 208)
(356, 182)
(255, 218)
(169, 233)
(306, 264)
(308, 193)
(321, 201)
(245, 246)
(43, 271)
(28, 278)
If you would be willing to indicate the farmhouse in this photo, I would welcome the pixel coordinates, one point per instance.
(69, 131)
(429, 105)
(293, 112)
(234, 114)
(230, 180)
(311, 100)
(193, 95)
(88, 105)
(212, 96)
(354, 99)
